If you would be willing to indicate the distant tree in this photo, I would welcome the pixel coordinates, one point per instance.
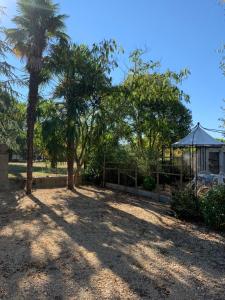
(19, 115)
(7, 72)
(11, 119)
(38, 25)
(49, 132)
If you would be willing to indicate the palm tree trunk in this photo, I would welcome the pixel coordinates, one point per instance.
(31, 117)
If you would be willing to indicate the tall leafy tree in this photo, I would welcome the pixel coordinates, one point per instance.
(38, 26)
(147, 111)
(152, 107)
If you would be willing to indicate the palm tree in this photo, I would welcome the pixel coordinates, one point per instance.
(83, 77)
(64, 64)
(38, 26)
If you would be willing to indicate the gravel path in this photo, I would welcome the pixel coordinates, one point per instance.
(98, 244)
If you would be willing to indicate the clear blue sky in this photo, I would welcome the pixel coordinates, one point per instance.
(178, 33)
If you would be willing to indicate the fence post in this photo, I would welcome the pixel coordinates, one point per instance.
(118, 176)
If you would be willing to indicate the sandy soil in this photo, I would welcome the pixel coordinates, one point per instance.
(97, 244)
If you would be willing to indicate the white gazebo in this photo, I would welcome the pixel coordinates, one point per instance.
(207, 154)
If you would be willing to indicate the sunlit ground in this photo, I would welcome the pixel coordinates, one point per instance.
(96, 244)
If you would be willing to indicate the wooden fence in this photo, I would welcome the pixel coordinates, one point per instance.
(115, 175)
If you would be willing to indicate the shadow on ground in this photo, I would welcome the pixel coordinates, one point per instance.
(98, 244)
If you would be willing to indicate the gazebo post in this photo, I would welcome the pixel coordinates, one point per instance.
(196, 171)
(181, 170)
(192, 158)
(189, 149)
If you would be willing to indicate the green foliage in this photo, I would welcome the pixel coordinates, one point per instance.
(213, 207)
(149, 183)
(209, 206)
(49, 138)
(84, 81)
(54, 140)
(19, 116)
(11, 121)
(186, 204)
(38, 26)
(154, 107)
(7, 71)
(114, 153)
(144, 113)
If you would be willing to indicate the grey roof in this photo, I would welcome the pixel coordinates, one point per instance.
(198, 137)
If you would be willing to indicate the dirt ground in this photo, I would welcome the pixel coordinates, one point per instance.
(98, 244)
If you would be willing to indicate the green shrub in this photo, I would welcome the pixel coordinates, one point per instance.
(186, 204)
(149, 183)
(213, 207)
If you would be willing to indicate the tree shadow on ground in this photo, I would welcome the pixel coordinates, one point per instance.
(105, 243)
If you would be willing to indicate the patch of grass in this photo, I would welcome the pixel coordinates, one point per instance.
(40, 169)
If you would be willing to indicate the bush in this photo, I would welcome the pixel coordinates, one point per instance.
(186, 204)
(149, 183)
(213, 207)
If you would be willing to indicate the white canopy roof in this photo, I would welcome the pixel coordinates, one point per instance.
(198, 137)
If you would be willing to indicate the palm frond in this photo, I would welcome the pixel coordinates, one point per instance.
(37, 25)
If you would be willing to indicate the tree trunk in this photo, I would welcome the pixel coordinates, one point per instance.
(70, 161)
(31, 117)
